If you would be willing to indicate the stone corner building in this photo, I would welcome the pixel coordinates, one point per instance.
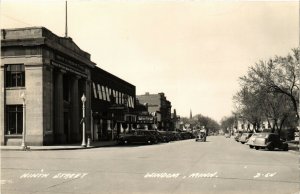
(54, 73)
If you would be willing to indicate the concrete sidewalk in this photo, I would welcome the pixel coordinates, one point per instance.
(95, 144)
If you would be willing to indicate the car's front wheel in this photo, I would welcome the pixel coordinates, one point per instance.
(251, 146)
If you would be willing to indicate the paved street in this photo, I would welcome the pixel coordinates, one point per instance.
(218, 166)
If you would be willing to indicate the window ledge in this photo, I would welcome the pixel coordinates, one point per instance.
(15, 88)
(13, 136)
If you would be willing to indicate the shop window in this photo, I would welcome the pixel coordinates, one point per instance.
(15, 75)
(14, 120)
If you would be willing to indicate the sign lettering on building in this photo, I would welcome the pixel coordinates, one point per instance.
(144, 119)
(68, 65)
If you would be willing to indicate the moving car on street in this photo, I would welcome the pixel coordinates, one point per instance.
(201, 136)
(269, 141)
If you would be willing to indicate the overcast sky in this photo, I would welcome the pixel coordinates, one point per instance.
(193, 51)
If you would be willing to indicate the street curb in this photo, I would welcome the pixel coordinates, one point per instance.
(294, 152)
(57, 149)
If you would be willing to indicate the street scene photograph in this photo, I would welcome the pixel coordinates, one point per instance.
(156, 97)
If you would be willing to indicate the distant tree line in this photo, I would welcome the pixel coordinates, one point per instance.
(198, 121)
(227, 123)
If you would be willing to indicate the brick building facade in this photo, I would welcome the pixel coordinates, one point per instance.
(160, 106)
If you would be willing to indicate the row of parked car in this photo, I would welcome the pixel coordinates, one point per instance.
(264, 140)
(142, 136)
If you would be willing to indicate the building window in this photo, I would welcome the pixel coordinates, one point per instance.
(14, 120)
(15, 75)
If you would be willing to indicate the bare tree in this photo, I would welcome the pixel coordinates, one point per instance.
(280, 75)
(249, 106)
(227, 123)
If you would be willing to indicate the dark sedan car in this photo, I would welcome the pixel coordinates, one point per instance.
(269, 141)
(138, 136)
(173, 135)
(158, 135)
(165, 136)
(186, 135)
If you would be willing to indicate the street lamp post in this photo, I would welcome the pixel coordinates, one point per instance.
(23, 145)
(83, 99)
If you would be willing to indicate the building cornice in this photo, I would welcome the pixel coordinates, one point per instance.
(48, 43)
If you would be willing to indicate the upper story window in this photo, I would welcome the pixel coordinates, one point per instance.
(15, 75)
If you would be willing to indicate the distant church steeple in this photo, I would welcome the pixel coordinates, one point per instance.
(191, 116)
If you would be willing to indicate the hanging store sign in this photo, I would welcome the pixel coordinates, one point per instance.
(145, 119)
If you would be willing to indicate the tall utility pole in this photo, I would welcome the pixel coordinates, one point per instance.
(66, 30)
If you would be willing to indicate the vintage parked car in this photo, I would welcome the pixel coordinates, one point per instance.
(227, 135)
(245, 137)
(237, 136)
(138, 136)
(158, 135)
(171, 136)
(250, 141)
(165, 136)
(269, 141)
(186, 135)
(176, 135)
